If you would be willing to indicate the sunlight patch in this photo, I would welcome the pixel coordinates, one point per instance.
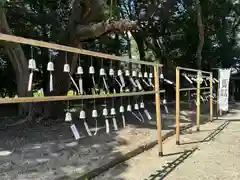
(5, 153)
(71, 144)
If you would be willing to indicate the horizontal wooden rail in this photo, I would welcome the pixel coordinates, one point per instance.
(193, 70)
(68, 98)
(193, 89)
(32, 42)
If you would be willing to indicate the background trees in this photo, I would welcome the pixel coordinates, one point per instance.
(163, 30)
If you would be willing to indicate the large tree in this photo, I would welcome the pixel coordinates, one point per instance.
(170, 30)
(75, 22)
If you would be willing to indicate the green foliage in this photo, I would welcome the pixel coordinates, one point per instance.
(168, 31)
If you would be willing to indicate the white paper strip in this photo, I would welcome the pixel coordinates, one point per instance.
(51, 82)
(124, 121)
(107, 125)
(115, 124)
(87, 128)
(75, 132)
(30, 81)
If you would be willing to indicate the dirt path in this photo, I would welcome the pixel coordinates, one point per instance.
(211, 154)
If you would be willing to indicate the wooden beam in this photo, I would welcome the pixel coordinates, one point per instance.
(193, 89)
(68, 98)
(193, 70)
(32, 42)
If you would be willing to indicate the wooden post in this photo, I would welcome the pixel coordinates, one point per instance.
(158, 110)
(198, 100)
(211, 97)
(177, 106)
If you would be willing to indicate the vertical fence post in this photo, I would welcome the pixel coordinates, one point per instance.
(177, 106)
(158, 109)
(198, 99)
(211, 97)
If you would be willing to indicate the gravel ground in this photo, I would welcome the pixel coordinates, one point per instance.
(46, 153)
(212, 153)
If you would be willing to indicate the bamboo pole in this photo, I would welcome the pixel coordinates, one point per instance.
(158, 110)
(193, 89)
(32, 42)
(211, 97)
(193, 70)
(198, 100)
(177, 106)
(68, 98)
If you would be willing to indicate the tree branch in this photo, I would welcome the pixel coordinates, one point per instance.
(84, 32)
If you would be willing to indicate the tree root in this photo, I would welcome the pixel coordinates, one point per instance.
(29, 118)
(22, 121)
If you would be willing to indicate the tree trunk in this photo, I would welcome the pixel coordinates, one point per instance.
(201, 34)
(19, 62)
(86, 22)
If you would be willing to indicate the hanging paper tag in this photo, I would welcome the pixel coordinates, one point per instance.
(74, 83)
(96, 128)
(167, 81)
(124, 121)
(138, 85)
(147, 114)
(87, 128)
(187, 78)
(105, 84)
(80, 86)
(196, 102)
(115, 124)
(166, 109)
(75, 132)
(51, 82)
(136, 116)
(150, 82)
(122, 81)
(145, 82)
(133, 82)
(30, 81)
(141, 116)
(205, 82)
(107, 125)
(118, 82)
(215, 80)
(94, 83)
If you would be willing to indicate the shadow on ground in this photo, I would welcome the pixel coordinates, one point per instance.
(169, 167)
(28, 152)
(212, 135)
